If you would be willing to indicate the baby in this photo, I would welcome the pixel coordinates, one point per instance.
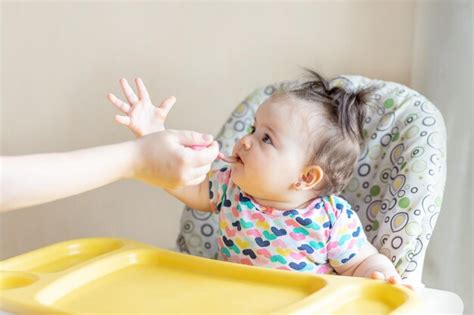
(278, 200)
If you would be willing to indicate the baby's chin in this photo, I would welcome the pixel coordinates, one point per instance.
(234, 175)
(237, 178)
(248, 187)
(237, 170)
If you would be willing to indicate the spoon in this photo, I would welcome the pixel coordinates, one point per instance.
(220, 155)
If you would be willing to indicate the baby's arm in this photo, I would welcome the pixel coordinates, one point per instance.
(196, 197)
(369, 263)
(349, 251)
(140, 115)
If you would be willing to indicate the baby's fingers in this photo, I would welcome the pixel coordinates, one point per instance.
(409, 286)
(166, 105)
(123, 120)
(142, 91)
(394, 280)
(121, 105)
(128, 92)
(377, 275)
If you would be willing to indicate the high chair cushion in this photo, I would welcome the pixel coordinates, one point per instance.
(398, 183)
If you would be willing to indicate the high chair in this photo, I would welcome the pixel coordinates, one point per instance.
(398, 183)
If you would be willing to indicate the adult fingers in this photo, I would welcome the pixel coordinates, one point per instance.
(128, 92)
(142, 91)
(189, 138)
(204, 156)
(119, 104)
(197, 172)
(196, 181)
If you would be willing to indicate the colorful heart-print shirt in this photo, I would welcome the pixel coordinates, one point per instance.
(325, 234)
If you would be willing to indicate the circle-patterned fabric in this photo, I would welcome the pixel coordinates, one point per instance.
(398, 184)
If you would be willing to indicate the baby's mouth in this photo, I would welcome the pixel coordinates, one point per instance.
(229, 159)
(238, 158)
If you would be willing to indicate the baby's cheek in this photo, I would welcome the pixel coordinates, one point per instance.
(272, 177)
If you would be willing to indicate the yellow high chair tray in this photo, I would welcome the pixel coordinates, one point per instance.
(104, 275)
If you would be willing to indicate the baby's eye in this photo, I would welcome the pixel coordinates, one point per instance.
(252, 129)
(266, 138)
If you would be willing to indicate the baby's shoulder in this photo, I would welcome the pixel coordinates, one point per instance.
(221, 177)
(220, 173)
(220, 180)
(335, 205)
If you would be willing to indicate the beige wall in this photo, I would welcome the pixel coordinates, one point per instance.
(60, 59)
(442, 70)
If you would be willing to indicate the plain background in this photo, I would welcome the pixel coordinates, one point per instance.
(60, 59)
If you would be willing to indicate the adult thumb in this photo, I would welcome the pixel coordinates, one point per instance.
(193, 138)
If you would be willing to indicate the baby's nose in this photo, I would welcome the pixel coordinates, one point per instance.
(246, 142)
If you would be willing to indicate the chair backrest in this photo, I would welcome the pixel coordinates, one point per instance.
(398, 184)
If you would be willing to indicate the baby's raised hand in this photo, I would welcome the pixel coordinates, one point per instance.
(141, 116)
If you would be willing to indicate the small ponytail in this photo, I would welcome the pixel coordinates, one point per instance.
(349, 108)
(351, 111)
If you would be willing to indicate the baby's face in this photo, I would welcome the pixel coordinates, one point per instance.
(273, 156)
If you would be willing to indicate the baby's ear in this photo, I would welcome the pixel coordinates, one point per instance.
(310, 177)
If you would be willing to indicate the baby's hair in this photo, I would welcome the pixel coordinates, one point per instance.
(337, 129)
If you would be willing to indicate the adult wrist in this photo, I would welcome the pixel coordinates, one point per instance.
(135, 162)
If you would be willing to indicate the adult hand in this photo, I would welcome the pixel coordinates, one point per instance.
(166, 159)
(162, 159)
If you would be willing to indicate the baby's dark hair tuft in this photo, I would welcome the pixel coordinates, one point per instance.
(349, 108)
